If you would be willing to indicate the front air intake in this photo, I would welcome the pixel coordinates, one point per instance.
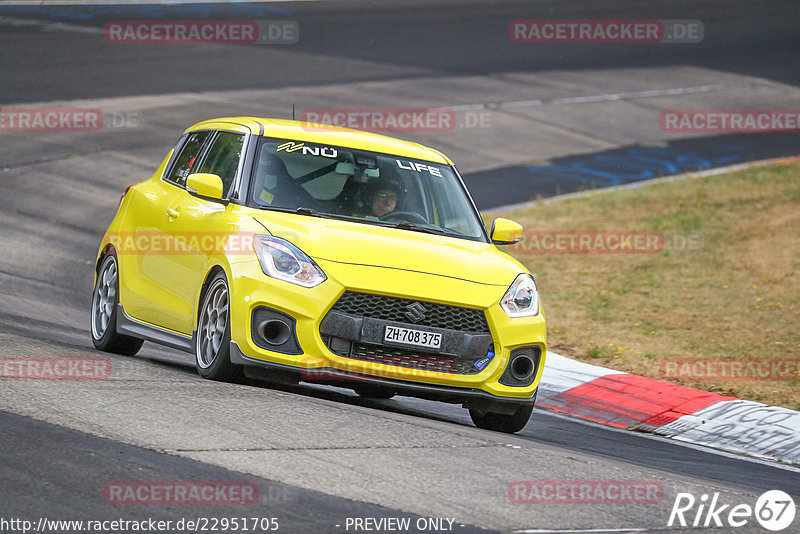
(274, 330)
(523, 363)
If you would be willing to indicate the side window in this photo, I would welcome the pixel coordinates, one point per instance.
(223, 158)
(186, 159)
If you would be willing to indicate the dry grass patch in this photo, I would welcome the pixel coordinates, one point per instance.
(736, 295)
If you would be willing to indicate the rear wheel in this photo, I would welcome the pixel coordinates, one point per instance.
(213, 339)
(501, 422)
(105, 298)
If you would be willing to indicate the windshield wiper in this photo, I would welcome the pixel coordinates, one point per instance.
(415, 228)
(401, 226)
(307, 211)
(301, 210)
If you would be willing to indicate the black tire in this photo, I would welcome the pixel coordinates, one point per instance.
(371, 391)
(212, 344)
(105, 300)
(500, 422)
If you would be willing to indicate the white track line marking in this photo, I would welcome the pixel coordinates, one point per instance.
(603, 97)
(50, 26)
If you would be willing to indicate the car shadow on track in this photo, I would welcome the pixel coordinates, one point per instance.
(401, 405)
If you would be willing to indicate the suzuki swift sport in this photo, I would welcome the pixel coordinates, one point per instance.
(279, 249)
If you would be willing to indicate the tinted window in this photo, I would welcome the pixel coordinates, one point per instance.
(223, 158)
(187, 158)
(363, 186)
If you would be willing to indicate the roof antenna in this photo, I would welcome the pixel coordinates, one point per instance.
(293, 110)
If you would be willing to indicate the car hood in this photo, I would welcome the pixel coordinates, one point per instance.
(365, 244)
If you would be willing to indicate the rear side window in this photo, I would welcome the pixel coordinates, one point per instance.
(186, 160)
(223, 158)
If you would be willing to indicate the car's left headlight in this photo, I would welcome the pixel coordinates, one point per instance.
(282, 260)
(521, 299)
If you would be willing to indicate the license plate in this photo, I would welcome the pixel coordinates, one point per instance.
(408, 336)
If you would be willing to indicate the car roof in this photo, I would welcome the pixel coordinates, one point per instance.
(326, 135)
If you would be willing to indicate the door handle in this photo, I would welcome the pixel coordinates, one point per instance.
(172, 214)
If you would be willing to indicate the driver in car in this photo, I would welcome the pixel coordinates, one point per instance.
(383, 195)
(384, 201)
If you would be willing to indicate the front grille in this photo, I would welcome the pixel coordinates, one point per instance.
(344, 334)
(413, 359)
(396, 309)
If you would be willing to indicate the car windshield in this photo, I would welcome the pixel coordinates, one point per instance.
(363, 186)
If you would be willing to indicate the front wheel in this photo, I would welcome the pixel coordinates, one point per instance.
(213, 339)
(501, 422)
(105, 299)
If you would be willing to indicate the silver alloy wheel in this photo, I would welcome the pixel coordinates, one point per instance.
(105, 294)
(212, 324)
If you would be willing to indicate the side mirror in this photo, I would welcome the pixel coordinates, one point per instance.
(205, 185)
(505, 232)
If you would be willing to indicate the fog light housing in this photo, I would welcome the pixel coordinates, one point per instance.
(274, 330)
(523, 365)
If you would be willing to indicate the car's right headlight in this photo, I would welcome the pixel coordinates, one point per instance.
(521, 299)
(282, 260)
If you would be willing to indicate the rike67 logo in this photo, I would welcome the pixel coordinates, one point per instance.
(774, 510)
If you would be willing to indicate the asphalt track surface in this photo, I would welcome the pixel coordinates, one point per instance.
(318, 455)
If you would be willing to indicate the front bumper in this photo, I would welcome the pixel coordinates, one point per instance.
(316, 362)
(468, 397)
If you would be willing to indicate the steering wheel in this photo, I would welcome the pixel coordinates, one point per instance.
(408, 216)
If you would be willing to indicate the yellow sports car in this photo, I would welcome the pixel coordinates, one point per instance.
(286, 250)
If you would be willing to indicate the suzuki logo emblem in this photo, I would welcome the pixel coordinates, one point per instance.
(416, 312)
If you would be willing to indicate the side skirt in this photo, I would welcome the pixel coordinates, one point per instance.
(131, 327)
